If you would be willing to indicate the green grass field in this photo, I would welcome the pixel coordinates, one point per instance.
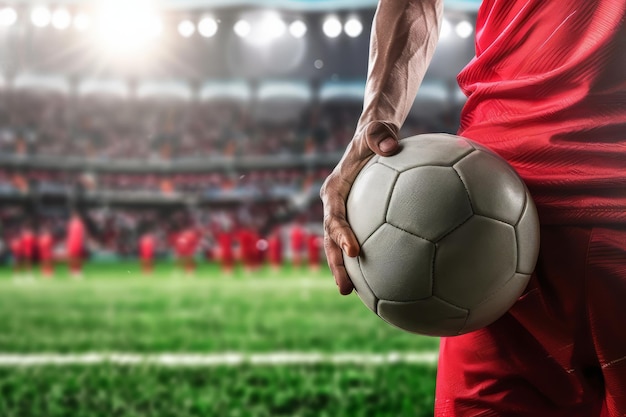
(114, 310)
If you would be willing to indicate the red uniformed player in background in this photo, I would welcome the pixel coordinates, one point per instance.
(45, 244)
(29, 248)
(314, 246)
(297, 237)
(225, 247)
(185, 247)
(17, 255)
(275, 249)
(146, 252)
(75, 242)
(546, 91)
(247, 247)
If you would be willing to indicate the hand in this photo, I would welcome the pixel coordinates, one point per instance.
(374, 138)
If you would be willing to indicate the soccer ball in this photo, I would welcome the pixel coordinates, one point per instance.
(449, 235)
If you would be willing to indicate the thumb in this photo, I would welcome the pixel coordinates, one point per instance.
(388, 145)
(382, 138)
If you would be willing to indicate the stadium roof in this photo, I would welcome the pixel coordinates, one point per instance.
(308, 5)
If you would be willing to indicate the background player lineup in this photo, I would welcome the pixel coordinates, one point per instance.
(188, 241)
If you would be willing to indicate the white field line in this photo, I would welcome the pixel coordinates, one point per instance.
(178, 360)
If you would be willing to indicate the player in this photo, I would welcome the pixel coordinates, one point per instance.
(275, 250)
(547, 91)
(146, 253)
(224, 237)
(45, 244)
(75, 245)
(185, 247)
(313, 251)
(17, 255)
(297, 237)
(247, 248)
(29, 249)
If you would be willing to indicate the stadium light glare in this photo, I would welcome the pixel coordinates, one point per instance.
(464, 29)
(208, 27)
(40, 16)
(242, 28)
(270, 27)
(61, 19)
(332, 27)
(445, 29)
(353, 27)
(186, 28)
(297, 29)
(82, 21)
(8, 16)
(127, 26)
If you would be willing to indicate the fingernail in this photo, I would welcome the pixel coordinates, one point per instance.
(388, 144)
(344, 247)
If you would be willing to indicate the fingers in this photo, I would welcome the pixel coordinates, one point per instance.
(335, 261)
(376, 137)
(334, 194)
(338, 236)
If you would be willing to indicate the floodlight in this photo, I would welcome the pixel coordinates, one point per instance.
(242, 28)
(297, 29)
(125, 26)
(40, 16)
(61, 19)
(332, 27)
(82, 21)
(270, 27)
(353, 27)
(8, 16)
(464, 29)
(207, 27)
(186, 28)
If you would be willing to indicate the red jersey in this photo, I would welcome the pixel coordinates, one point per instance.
(75, 236)
(297, 238)
(547, 91)
(16, 247)
(146, 247)
(186, 242)
(225, 242)
(28, 244)
(313, 248)
(275, 249)
(45, 246)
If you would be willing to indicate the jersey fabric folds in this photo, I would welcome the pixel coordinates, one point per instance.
(547, 91)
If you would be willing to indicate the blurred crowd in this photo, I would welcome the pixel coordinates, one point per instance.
(245, 183)
(105, 127)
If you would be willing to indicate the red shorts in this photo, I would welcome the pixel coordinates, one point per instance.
(561, 349)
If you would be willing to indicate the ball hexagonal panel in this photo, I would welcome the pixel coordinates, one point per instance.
(428, 149)
(527, 231)
(429, 202)
(397, 265)
(474, 260)
(494, 187)
(368, 199)
(431, 316)
(498, 303)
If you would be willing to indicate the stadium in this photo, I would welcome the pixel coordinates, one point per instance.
(160, 221)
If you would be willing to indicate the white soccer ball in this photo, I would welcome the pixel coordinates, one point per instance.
(449, 235)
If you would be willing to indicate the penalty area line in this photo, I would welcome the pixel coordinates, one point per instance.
(217, 359)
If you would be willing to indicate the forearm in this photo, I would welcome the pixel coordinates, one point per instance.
(403, 40)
